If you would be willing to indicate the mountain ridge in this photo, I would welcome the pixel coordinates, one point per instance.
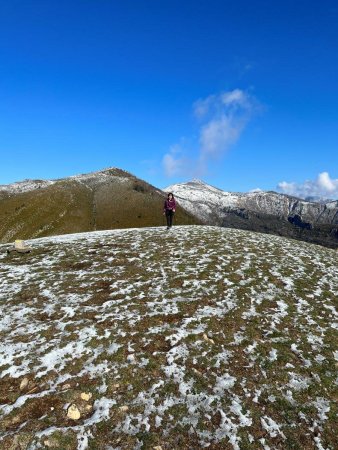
(106, 199)
(32, 184)
(264, 211)
(114, 198)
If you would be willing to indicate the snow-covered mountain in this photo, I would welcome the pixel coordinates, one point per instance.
(260, 211)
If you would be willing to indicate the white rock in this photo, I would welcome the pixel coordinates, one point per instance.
(24, 384)
(73, 412)
(207, 339)
(86, 396)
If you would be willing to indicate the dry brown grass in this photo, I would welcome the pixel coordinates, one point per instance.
(71, 207)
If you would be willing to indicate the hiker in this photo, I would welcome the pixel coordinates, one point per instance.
(169, 209)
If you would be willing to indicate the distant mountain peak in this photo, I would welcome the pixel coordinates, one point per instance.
(194, 184)
(108, 171)
(197, 181)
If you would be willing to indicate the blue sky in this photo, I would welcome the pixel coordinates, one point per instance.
(241, 94)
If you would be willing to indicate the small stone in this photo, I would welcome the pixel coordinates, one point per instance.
(86, 396)
(124, 408)
(24, 384)
(73, 412)
(66, 386)
(131, 358)
(51, 442)
(205, 337)
(158, 447)
(88, 407)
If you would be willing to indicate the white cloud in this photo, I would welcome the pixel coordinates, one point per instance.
(219, 134)
(222, 118)
(202, 106)
(225, 117)
(322, 187)
(325, 182)
(175, 163)
(235, 97)
(172, 166)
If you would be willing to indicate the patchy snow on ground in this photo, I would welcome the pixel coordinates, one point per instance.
(184, 339)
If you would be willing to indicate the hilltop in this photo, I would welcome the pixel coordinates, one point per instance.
(203, 337)
(106, 199)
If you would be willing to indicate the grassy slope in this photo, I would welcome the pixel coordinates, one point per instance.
(56, 209)
(71, 207)
(211, 337)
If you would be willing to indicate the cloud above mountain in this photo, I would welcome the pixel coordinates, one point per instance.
(322, 187)
(176, 163)
(221, 120)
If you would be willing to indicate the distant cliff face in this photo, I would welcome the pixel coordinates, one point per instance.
(267, 212)
(107, 199)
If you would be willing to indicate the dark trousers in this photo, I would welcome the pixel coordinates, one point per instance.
(169, 215)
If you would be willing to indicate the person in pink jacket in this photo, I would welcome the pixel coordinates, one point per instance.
(169, 209)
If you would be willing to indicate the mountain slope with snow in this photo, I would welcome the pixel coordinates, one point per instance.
(205, 337)
(93, 179)
(261, 211)
(110, 198)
